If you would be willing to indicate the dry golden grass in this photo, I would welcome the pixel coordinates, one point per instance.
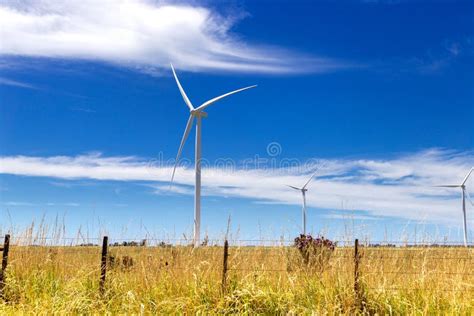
(261, 280)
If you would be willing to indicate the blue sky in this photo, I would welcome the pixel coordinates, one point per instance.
(377, 92)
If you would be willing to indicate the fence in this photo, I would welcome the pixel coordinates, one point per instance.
(363, 267)
(5, 249)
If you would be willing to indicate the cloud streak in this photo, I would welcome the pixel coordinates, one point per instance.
(145, 35)
(399, 187)
(14, 83)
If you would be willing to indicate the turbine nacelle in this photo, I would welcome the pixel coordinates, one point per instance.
(197, 113)
(296, 188)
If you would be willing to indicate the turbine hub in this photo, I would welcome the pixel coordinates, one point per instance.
(198, 113)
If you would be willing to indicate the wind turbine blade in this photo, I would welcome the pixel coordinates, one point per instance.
(293, 187)
(447, 186)
(207, 103)
(189, 125)
(465, 179)
(183, 94)
(309, 180)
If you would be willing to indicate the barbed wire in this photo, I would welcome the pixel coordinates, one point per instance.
(236, 256)
(415, 258)
(418, 289)
(417, 273)
(310, 272)
(374, 244)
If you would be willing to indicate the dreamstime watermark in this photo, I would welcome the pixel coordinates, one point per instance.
(274, 149)
(272, 160)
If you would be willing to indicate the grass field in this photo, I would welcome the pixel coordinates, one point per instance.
(260, 280)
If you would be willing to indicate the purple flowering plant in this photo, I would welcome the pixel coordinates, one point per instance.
(314, 251)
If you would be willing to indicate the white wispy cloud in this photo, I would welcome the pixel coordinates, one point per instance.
(63, 204)
(143, 34)
(22, 203)
(17, 203)
(14, 83)
(399, 187)
(351, 216)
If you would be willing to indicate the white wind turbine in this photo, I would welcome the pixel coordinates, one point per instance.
(303, 191)
(198, 114)
(463, 198)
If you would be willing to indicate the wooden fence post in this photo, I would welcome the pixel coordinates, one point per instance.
(6, 248)
(103, 264)
(224, 266)
(356, 274)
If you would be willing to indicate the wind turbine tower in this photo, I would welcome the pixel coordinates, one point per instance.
(462, 185)
(196, 113)
(303, 191)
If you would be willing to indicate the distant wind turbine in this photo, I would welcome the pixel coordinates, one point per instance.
(198, 114)
(463, 197)
(303, 191)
